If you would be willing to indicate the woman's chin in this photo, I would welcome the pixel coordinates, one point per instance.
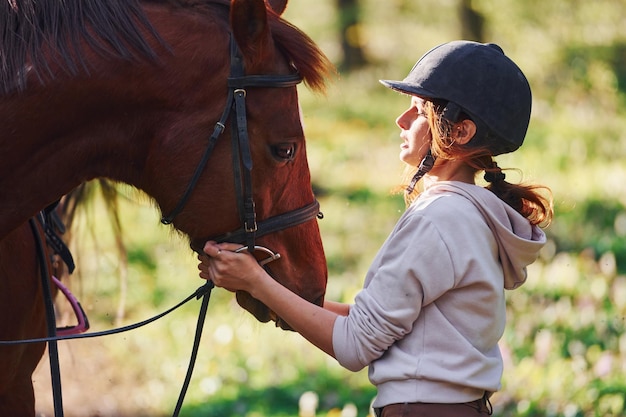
(406, 157)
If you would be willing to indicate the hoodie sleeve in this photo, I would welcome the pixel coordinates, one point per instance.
(402, 279)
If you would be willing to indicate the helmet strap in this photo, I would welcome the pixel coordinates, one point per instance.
(425, 165)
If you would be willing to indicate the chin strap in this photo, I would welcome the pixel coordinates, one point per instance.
(423, 168)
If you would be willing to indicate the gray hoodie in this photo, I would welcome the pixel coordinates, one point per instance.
(432, 309)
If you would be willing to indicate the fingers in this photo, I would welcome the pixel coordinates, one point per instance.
(226, 268)
(214, 249)
(213, 264)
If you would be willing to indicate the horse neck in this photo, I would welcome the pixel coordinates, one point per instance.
(50, 149)
(70, 130)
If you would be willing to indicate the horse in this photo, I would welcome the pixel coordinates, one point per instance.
(193, 102)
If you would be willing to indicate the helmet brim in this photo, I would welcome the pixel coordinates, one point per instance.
(407, 88)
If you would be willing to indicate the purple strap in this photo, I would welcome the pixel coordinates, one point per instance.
(83, 322)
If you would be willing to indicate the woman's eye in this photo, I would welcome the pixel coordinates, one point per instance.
(284, 151)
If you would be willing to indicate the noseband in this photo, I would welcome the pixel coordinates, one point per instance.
(238, 82)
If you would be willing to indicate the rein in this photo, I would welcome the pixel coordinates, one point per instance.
(203, 292)
(53, 350)
(235, 107)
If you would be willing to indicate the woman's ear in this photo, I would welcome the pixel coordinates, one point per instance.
(464, 131)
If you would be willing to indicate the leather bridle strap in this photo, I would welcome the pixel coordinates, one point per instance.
(217, 131)
(242, 166)
(269, 225)
(273, 81)
(242, 159)
(53, 350)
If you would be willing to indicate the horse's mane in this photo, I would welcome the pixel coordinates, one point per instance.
(32, 30)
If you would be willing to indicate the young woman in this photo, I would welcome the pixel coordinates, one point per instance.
(428, 319)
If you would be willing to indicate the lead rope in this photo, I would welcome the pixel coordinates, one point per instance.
(203, 292)
(196, 294)
(53, 349)
(196, 344)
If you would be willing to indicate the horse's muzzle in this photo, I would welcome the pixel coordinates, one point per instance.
(262, 313)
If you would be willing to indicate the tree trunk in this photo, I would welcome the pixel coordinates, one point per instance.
(472, 22)
(349, 30)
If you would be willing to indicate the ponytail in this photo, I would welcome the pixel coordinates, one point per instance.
(531, 201)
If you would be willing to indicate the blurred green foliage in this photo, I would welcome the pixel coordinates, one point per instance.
(565, 345)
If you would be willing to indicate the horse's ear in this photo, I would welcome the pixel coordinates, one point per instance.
(278, 6)
(248, 20)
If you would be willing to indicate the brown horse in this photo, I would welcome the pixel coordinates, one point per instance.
(131, 91)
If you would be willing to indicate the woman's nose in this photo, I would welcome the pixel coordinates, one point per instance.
(402, 121)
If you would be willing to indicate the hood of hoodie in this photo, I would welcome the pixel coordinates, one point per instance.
(519, 242)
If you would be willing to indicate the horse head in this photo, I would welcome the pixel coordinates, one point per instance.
(132, 90)
(274, 56)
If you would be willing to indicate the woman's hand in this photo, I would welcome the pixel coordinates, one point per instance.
(241, 271)
(229, 269)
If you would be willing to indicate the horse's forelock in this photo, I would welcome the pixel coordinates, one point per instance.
(312, 64)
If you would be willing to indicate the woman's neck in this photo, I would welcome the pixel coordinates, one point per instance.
(446, 170)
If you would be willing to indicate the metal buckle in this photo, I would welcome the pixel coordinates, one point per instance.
(252, 229)
(272, 256)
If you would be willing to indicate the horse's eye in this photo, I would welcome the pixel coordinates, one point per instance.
(284, 151)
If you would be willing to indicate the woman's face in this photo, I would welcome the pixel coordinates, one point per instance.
(414, 132)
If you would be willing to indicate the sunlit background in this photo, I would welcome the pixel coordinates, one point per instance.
(564, 347)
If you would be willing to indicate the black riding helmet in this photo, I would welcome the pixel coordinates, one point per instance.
(479, 80)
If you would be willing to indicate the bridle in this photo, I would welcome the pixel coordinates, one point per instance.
(235, 107)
